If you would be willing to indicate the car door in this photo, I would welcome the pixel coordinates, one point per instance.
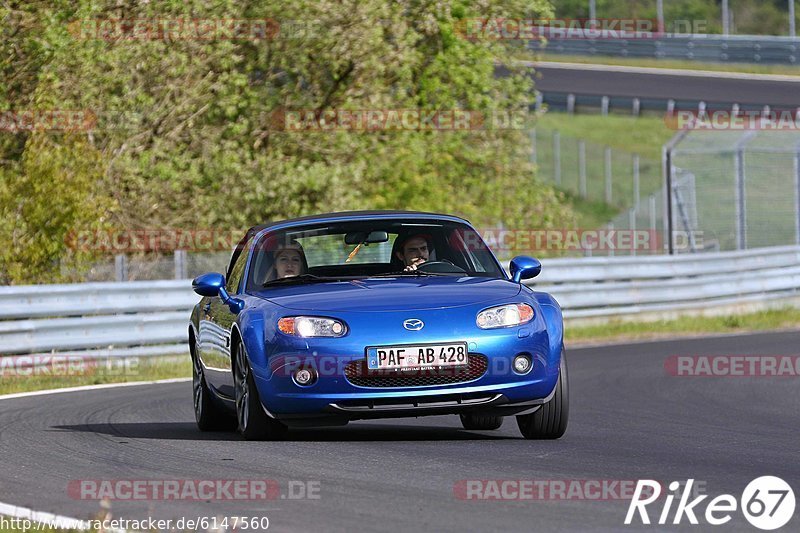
(220, 319)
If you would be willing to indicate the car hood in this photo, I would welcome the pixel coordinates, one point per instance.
(392, 294)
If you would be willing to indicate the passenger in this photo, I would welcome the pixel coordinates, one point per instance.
(288, 261)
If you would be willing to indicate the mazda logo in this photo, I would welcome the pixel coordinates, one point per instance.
(413, 324)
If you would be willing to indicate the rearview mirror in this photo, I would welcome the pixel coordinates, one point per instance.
(359, 237)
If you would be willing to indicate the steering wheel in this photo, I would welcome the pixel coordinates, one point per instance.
(441, 267)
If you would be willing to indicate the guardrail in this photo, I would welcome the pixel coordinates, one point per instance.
(151, 318)
(701, 47)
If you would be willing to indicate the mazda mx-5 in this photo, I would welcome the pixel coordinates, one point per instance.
(326, 319)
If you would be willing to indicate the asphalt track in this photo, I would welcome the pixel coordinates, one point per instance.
(629, 420)
(779, 92)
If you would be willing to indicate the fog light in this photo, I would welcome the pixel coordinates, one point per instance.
(304, 376)
(522, 364)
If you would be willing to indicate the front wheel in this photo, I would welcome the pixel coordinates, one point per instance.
(254, 424)
(550, 420)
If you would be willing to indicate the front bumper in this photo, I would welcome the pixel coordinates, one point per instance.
(333, 397)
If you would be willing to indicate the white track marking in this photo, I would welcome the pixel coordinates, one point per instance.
(48, 519)
(91, 387)
(663, 71)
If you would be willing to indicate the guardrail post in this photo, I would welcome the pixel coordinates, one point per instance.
(670, 106)
(604, 105)
(557, 157)
(539, 100)
(570, 104)
(121, 267)
(636, 181)
(637, 104)
(582, 167)
(608, 176)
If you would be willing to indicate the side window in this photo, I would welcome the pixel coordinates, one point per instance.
(237, 270)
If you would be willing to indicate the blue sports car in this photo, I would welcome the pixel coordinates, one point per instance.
(375, 314)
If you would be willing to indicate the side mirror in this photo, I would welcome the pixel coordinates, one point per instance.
(524, 267)
(213, 284)
(209, 284)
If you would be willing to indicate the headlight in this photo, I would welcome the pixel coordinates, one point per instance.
(311, 326)
(504, 316)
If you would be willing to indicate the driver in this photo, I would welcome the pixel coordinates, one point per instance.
(414, 251)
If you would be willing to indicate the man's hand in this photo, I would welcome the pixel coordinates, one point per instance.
(414, 264)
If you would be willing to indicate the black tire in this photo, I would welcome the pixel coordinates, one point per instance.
(481, 422)
(254, 424)
(550, 420)
(208, 415)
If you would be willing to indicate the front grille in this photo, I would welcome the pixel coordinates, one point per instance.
(359, 375)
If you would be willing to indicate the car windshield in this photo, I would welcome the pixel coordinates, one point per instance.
(363, 249)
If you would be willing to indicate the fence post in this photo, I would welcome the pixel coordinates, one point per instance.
(570, 103)
(739, 195)
(604, 105)
(181, 271)
(637, 105)
(797, 193)
(121, 267)
(557, 158)
(610, 229)
(636, 181)
(539, 100)
(607, 157)
(653, 220)
(582, 167)
(632, 229)
(739, 191)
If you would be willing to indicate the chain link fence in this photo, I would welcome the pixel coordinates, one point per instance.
(623, 183)
(736, 190)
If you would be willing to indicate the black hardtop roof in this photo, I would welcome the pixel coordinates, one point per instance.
(349, 214)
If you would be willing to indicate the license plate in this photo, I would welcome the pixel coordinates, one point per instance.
(417, 356)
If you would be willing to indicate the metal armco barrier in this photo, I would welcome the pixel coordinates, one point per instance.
(702, 47)
(151, 318)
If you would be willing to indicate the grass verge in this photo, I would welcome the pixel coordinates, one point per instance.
(746, 68)
(616, 330)
(74, 373)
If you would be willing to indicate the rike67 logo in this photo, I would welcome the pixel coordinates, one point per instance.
(767, 503)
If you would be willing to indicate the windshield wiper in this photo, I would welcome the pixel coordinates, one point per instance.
(416, 273)
(301, 279)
